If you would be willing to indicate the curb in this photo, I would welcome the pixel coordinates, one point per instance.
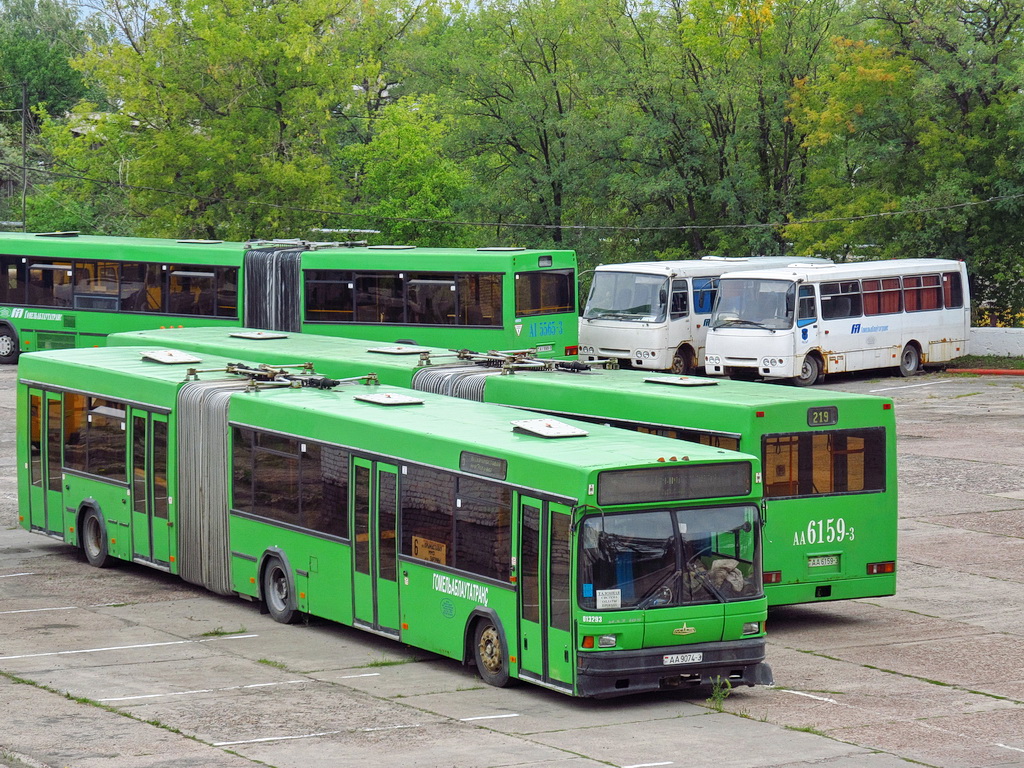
(988, 371)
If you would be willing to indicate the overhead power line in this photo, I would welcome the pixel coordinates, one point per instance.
(524, 225)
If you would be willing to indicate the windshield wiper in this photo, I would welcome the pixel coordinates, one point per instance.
(650, 595)
(741, 321)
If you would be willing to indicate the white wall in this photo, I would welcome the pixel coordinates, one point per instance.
(996, 341)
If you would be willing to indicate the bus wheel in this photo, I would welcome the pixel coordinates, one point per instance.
(910, 361)
(278, 592)
(93, 535)
(488, 645)
(8, 345)
(809, 372)
(682, 362)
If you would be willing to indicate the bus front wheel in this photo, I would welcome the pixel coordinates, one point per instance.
(489, 654)
(683, 362)
(278, 592)
(8, 345)
(94, 539)
(910, 361)
(810, 370)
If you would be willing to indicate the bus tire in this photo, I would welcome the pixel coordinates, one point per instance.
(683, 362)
(8, 345)
(489, 653)
(810, 371)
(279, 592)
(93, 538)
(910, 360)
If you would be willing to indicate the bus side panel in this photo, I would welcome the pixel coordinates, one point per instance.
(320, 568)
(436, 606)
(112, 500)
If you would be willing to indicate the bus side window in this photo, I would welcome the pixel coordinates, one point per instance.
(808, 310)
(680, 302)
(704, 291)
(952, 290)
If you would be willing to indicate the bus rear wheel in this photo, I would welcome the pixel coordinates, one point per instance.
(910, 361)
(8, 345)
(489, 654)
(94, 539)
(810, 370)
(278, 592)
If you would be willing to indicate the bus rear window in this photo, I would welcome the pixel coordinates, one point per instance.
(673, 483)
(545, 293)
(824, 463)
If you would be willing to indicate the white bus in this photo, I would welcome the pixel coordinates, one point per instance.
(654, 314)
(800, 323)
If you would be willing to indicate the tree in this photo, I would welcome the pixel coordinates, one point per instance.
(403, 180)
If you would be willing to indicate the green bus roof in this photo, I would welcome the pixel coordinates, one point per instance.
(336, 416)
(68, 245)
(613, 394)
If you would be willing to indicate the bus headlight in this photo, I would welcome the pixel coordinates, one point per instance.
(752, 628)
(770, 362)
(712, 360)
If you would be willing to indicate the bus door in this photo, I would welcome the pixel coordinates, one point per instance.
(46, 499)
(546, 652)
(375, 545)
(152, 530)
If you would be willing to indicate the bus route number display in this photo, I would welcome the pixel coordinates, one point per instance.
(823, 416)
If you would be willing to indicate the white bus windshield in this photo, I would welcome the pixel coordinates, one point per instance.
(754, 303)
(627, 296)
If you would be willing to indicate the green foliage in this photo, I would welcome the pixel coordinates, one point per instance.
(626, 130)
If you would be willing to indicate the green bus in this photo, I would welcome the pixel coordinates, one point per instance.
(578, 557)
(829, 458)
(60, 290)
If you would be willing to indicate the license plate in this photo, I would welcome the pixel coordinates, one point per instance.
(815, 562)
(682, 658)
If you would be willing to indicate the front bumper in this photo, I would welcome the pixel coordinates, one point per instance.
(603, 674)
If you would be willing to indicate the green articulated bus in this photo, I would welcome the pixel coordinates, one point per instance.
(829, 458)
(61, 290)
(579, 557)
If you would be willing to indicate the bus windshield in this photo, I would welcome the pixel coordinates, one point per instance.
(627, 296)
(756, 303)
(669, 557)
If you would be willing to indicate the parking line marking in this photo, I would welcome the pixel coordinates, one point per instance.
(40, 610)
(1005, 746)
(123, 647)
(200, 690)
(12, 575)
(486, 717)
(390, 728)
(909, 386)
(352, 677)
(647, 765)
(274, 738)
